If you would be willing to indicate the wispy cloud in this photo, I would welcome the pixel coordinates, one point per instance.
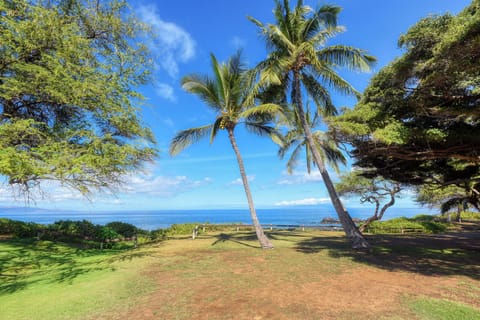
(172, 42)
(303, 202)
(239, 182)
(299, 178)
(162, 186)
(165, 91)
(224, 158)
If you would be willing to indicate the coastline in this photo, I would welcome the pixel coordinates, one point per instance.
(155, 219)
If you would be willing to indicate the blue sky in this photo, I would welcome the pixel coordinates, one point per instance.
(206, 176)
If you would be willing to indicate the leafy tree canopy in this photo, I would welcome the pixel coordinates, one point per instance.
(419, 119)
(68, 106)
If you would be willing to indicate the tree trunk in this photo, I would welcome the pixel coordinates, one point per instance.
(351, 230)
(262, 238)
(379, 216)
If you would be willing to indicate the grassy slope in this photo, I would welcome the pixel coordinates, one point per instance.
(223, 274)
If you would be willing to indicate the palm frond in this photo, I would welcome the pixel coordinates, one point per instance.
(215, 127)
(204, 88)
(328, 14)
(185, 138)
(319, 94)
(222, 88)
(335, 81)
(268, 109)
(262, 129)
(293, 160)
(346, 56)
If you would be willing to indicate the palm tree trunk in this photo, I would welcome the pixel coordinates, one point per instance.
(262, 238)
(351, 230)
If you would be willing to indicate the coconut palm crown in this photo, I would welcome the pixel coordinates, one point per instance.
(295, 142)
(229, 94)
(299, 59)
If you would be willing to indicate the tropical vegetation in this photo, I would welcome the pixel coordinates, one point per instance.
(229, 94)
(299, 58)
(375, 190)
(69, 75)
(418, 120)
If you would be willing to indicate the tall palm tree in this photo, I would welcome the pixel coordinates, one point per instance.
(229, 94)
(296, 141)
(299, 58)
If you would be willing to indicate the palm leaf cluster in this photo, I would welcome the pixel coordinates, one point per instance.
(228, 92)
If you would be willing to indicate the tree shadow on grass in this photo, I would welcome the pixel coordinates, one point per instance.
(446, 254)
(23, 263)
(242, 239)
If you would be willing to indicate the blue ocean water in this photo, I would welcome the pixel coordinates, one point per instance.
(154, 219)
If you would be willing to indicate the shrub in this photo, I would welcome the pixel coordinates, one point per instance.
(74, 229)
(107, 233)
(182, 229)
(423, 224)
(20, 229)
(126, 230)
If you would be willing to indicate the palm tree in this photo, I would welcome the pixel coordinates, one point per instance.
(295, 140)
(229, 94)
(299, 58)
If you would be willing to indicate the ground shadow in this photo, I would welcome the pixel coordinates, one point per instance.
(236, 238)
(24, 263)
(445, 254)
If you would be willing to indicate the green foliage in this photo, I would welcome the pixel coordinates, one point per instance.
(467, 216)
(74, 229)
(106, 233)
(296, 142)
(182, 229)
(126, 230)
(20, 229)
(422, 223)
(230, 93)
(418, 121)
(69, 109)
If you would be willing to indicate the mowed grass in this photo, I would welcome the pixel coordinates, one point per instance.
(45, 280)
(309, 275)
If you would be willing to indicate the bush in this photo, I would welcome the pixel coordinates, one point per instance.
(107, 233)
(182, 229)
(422, 224)
(126, 230)
(20, 229)
(74, 229)
(469, 215)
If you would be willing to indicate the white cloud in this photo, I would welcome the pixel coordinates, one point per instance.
(303, 202)
(173, 44)
(239, 182)
(299, 178)
(165, 91)
(161, 186)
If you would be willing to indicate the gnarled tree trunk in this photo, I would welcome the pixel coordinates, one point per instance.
(262, 238)
(351, 230)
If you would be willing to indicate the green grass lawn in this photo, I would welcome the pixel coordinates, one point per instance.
(45, 280)
(224, 275)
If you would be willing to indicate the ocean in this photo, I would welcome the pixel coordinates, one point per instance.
(155, 219)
